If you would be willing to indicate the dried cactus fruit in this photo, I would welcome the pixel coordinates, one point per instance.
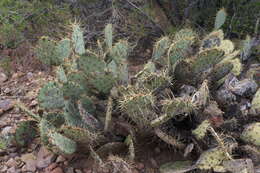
(201, 130)
(51, 97)
(220, 18)
(160, 48)
(25, 132)
(172, 108)
(211, 159)
(255, 108)
(251, 134)
(109, 35)
(78, 40)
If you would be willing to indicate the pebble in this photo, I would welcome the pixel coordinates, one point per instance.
(57, 170)
(60, 159)
(3, 78)
(44, 158)
(11, 163)
(78, 171)
(6, 105)
(51, 167)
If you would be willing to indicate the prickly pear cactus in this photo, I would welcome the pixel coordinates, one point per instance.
(251, 134)
(78, 40)
(50, 96)
(25, 132)
(255, 108)
(201, 130)
(138, 104)
(211, 159)
(160, 48)
(181, 45)
(220, 18)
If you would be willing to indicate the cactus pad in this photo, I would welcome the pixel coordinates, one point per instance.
(251, 134)
(50, 96)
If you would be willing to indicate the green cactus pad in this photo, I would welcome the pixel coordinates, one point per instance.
(176, 166)
(63, 49)
(181, 45)
(119, 51)
(201, 130)
(220, 18)
(79, 135)
(109, 35)
(91, 65)
(64, 144)
(255, 108)
(72, 115)
(44, 128)
(174, 107)
(75, 87)
(55, 119)
(152, 81)
(206, 60)
(138, 106)
(25, 132)
(50, 96)
(160, 48)
(220, 71)
(46, 52)
(61, 75)
(251, 134)
(78, 40)
(211, 159)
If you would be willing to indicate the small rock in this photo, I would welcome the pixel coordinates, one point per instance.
(60, 159)
(78, 171)
(11, 163)
(11, 170)
(70, 170)
(246, 87)
(57, 170)
(44, 158)
(51, 167)
(7, 90)
(5, 105)
(3, 78)
(29, 75)
(4, 168)
(30, 162)
(7, 130)
(140, 166)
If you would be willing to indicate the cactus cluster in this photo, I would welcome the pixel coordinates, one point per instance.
(93, 84)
